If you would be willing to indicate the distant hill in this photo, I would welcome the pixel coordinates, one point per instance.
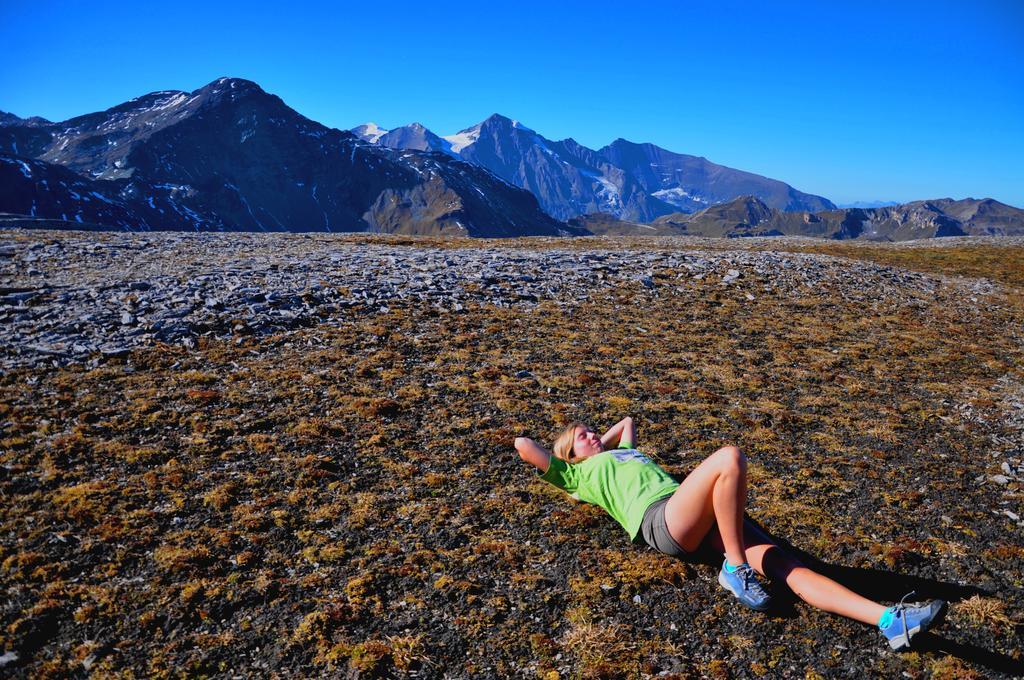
(749, 216)
(983, 216)
(868, 204)
(606, 224)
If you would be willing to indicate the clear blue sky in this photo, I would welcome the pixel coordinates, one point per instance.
(850, 100)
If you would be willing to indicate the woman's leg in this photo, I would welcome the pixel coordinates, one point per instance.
(715, 492)
(712, 498)
(812, 587)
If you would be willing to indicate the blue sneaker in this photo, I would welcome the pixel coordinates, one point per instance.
(903, 621)
(744, 585)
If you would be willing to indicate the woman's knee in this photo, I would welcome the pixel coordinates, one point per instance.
(731, 459)
(801, 580)
(780, 565)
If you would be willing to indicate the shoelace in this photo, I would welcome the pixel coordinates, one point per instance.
(899, 609)
(747, 572)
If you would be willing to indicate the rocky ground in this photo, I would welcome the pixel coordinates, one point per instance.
(86, 296)
(253, 454)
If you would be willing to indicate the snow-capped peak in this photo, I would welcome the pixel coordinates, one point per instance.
(519, 126)
(371, 132)
(460, 140)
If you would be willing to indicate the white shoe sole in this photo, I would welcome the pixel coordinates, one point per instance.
(903, 641)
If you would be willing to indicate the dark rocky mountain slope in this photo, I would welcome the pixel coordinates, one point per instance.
(229, 156)
(47, 191)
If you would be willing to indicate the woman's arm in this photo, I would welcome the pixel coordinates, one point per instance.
(620, 431)
(533, 453)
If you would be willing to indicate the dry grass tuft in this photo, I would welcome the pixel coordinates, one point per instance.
(982, 611)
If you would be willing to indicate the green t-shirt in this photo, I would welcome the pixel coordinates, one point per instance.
(623, 481)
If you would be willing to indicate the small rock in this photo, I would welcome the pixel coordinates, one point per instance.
(1012, 515)
(127, 318)
(1000, 479)
(18, 298)
(113, 350)
(637, 599)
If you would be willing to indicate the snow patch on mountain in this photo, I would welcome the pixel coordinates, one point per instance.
(678, 196)
(607, 192)
(25, 170)
(371, 132)
(464, 138)
(170, 102)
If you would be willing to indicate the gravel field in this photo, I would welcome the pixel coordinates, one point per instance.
(80, 296)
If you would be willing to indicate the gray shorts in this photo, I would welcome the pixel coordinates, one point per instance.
(654, 532)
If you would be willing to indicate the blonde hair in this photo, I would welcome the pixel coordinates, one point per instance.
(563, 442)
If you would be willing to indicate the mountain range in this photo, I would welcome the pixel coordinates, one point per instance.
(637, 182)
(750, 216)
(228, 156)
(231, 157)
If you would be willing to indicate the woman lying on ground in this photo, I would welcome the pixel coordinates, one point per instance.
(703, 513)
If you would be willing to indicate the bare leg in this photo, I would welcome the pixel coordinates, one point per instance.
(716, 491)
(712, 499)
(812, 587)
